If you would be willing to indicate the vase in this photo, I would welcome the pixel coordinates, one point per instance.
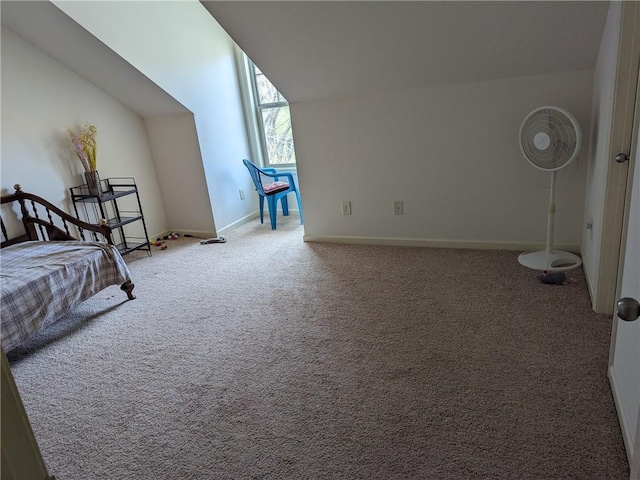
(93, 182)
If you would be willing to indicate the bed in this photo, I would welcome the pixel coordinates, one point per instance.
(49, 262)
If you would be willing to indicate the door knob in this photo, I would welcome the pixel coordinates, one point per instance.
(628, 309)
(622, 157)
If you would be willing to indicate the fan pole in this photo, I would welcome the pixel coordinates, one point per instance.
(551, 213)
(550, 260)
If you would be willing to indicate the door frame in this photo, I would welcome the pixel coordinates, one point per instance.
(625, 86)
(632, 445)
(21, 457)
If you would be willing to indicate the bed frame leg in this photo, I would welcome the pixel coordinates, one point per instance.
(127, 287)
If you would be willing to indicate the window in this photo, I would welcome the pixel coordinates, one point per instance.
(275, 121)
(268, 117)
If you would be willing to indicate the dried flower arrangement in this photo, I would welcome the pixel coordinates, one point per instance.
(84, 144)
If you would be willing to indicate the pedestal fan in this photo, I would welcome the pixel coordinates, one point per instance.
(550, 139)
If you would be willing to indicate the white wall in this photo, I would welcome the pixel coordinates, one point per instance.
(451, 154)
(181, 48)
(178, 162)
(41, 99)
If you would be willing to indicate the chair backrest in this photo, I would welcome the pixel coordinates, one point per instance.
(255, 175)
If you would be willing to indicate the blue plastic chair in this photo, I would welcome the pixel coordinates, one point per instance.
(273, 191)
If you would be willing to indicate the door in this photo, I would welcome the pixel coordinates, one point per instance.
(21, 456)
(624, 362)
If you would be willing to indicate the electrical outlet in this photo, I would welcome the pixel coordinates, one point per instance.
(589, 227)
(346, 208)
(241, 192)
(397, 208)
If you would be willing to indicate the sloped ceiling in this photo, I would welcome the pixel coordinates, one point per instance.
(49, 29)
(315, 50)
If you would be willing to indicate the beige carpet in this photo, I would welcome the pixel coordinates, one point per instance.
(269, 358)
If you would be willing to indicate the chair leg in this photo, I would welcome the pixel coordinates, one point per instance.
(285, 205)
(300, 208)
(261, 209)
(273, 210)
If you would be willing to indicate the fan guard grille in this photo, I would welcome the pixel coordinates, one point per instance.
(550, 138)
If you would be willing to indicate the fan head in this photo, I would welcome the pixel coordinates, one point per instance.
(550, 138)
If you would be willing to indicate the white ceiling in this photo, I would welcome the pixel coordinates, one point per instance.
(49, 29)
(312, 50)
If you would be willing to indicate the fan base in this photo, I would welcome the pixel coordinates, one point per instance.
(556, 261)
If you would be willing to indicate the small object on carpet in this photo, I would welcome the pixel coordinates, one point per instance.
(220, 239)
(553, 278)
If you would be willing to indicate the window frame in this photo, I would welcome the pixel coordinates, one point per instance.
(253, 112)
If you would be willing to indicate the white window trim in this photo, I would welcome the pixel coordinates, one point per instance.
(248, 100)
(250, 106)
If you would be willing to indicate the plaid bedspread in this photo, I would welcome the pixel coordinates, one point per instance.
(41, 281)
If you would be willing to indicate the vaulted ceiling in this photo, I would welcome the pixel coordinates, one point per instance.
(49, 29)
(324, 49)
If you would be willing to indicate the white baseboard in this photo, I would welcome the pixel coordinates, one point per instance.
(622, 418)
(597, 303)
(182, 233)
(435, 243)
(237, 223)
(158, 235)
(209, 233)
(253, 216)
(590, 285)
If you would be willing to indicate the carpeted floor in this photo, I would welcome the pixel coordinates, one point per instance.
(268, 358)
